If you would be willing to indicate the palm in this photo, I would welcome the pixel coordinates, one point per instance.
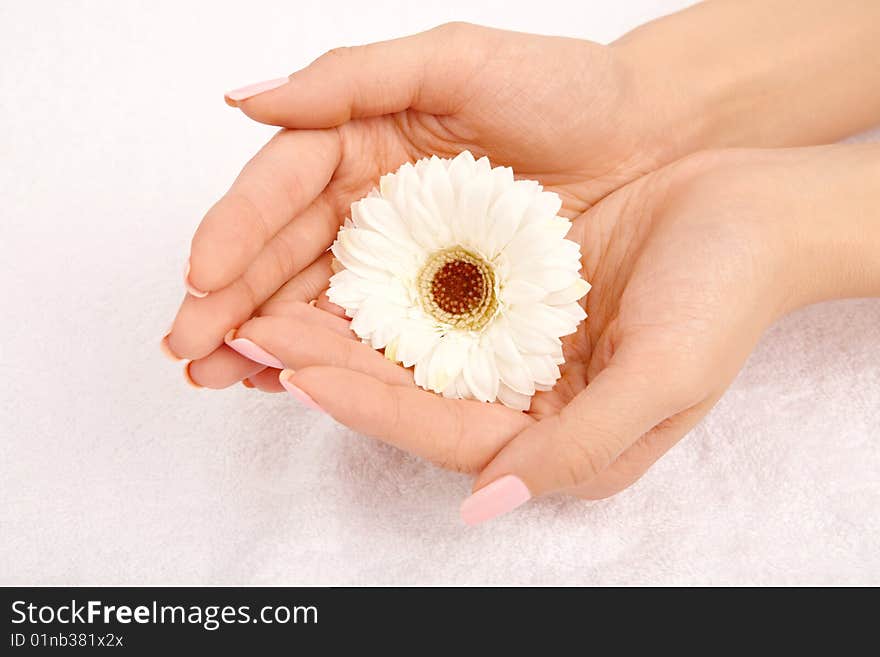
(646, 298)
(521, 100)
(554, 109)
(525, 136)
(671, 289)
(377, 145)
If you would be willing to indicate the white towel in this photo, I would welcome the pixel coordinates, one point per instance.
(112, 470)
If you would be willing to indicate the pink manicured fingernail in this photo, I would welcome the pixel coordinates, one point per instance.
(167, 350)
(197, 293)
(501, 496)
(252, 350)
(243, 93)
(297, 393)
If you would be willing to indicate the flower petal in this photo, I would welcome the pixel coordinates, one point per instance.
(372, 255)
(536, 240)
(529, 334)
(481, 374)
(470, 222)
(461, 169)
(377, 321)
(502, 180)
(550, 278)
(447, 360)
(348, 290)
(416, 340)
(520, 291)
(543, 370)
(516, 375)
(513, 399)
(506, 215)
(437, 193)
(543, 206)
(462, 390)
(575, 313)
(577, 290)
(380, 216)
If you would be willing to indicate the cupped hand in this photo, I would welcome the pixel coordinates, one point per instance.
(688, 265)
(566, 112)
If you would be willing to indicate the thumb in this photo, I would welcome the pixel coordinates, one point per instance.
(569, 449)
(424, 71)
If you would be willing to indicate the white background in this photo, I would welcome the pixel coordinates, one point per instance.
(114, 139)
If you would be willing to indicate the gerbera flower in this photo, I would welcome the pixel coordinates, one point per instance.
(457, 269)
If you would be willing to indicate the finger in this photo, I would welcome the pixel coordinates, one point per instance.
(324, 303)
(458, 434)
(296, 345)
(267, 380)
(309, 314)
(290, 300)
(201, 323)
(570, 449)
(222, 368)
(306, 286)
(239, 358)
(275, 186)
(426, 72)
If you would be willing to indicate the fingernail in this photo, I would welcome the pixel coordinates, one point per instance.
(243, 93)
(166, 349)
(297, 393)
(247, 383)
(189, 288)
(252, 350)
(188, 376)
(501, 496)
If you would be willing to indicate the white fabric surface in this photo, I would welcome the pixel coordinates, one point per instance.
(114, 139)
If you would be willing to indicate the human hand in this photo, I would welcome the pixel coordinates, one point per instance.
(561, 111)
(278, 184)
(580, 117)
(689, 265)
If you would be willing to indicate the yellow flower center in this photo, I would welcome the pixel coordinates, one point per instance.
(457, 288)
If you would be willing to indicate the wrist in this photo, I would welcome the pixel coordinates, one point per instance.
(756, 73)
(835, 226)
(683, 109)
(808, 218)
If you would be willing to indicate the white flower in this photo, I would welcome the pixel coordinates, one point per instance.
(454, 267)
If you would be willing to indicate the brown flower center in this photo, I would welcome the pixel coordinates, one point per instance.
(458, 288)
